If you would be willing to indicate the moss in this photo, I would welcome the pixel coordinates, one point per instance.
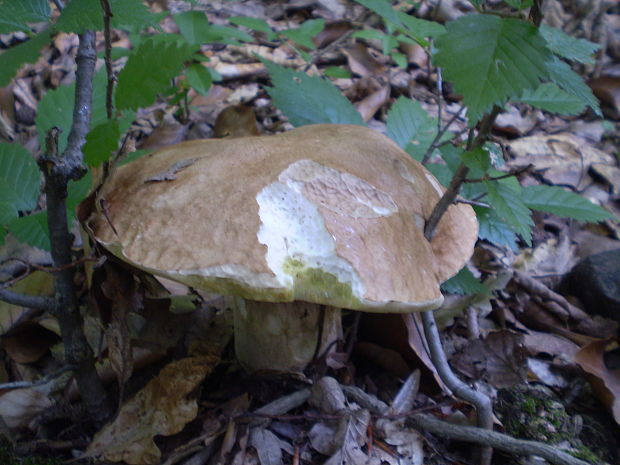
(317, 285)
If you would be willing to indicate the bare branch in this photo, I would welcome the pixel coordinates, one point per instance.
(29, 301)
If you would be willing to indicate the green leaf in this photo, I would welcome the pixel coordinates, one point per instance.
(562, 75)
(559, 201)
(420, 28)
(101, 141)
(254, 24)
(337, 72)
(3, 232)
(14, 58)
(196, 29)
(383, 8)
(568, 47)
(491, 228)
(369, 34)
(76, 192)
(32, 230)
(477, 159)
(149, 70)
(79, 16)
(16, 14)
(131, 15)
(303, 34)
(550, 97)
(408, 122)
(510, 208)
(491, 59)
(464, 283)
(519, 4)
(199, 78)
(309, 99)
(19, 181)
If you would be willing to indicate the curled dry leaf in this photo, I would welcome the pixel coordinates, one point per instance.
(606, 382)
(160, 408)
(19, 407)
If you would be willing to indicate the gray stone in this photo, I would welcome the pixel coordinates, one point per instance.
(595, 280)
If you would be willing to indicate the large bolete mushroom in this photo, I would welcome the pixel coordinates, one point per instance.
(298, 225)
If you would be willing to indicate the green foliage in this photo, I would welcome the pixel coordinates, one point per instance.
(309, 99)
(303, 35)
(15, 57)
(196, 29)
(81, 15)
(493, 229)
(490, 59)
(19, 181)
(510, 208)
(568, 47)
(550, 97)
(559, 201)
(199, 78)
(138, 83)
(254, 24)
(562, 75)
(410, 126)
(31, 229)
(463, 283)
(16, 15)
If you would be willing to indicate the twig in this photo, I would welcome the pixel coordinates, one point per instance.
(57, 171)
(510, 174)
(30, 301)
(38, 382)
(493, 439)
(107, 16)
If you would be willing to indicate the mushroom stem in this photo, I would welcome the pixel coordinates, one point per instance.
(283, 336)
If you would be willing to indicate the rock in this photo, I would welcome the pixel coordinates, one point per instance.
(595, 280)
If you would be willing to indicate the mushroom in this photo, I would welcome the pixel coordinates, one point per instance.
(297, 225)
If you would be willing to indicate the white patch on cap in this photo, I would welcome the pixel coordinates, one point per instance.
(293, 228)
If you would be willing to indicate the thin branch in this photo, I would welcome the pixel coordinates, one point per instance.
(510, 174)
(29, 301)
(486, 437)
(107, 16)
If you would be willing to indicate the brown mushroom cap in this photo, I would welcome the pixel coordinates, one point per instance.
(331, 214)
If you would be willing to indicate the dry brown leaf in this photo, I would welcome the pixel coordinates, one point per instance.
(28, 342)
(607, 89)
(605, 382)
(19, 407)
(362, 62)
(373, 102)
(160, 408)
(500, 359)
(560, 158)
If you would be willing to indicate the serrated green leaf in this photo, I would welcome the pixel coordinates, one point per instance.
(132, 15)
(383, 8)
(550, 97)
(255, 24)
(510, 208)
(15, 15)
(196, 29)
(477, 159)
(14, 58)
(568, 47)
(56, 109)
(369, 34)
(441, 172)
(76, 192)
(491, 59)
(309, 99)
(407, 121)
(561, 74)
(32, 230)
(79, 16)
(464, 283)
(199, 78)
(420, 28)
(149, 70)
(101, 141)
(303, 34)
(559, 201)
(19, 181)
(491, 228)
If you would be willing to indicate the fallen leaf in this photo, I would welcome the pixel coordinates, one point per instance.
(500, 359)
(28, 342)
(19, 407)
(160, 408)
(267, 446)
(607, 89)
(605, 382)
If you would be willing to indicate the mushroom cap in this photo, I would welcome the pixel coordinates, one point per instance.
(330, 214)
